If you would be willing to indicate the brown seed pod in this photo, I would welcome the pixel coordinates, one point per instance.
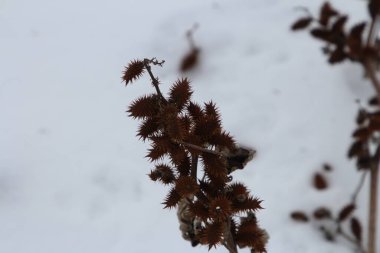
(133, 71)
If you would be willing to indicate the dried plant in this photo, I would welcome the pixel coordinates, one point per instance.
(191, 59)
(332, 225)
(357, 44)
(212, 210)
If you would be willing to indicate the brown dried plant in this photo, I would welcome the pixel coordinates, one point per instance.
(334, 225)
(212, 210)
(191, 59)
(357, 44)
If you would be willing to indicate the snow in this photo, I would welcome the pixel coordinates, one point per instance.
(73, 174)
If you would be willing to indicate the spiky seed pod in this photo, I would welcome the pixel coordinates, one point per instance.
(186, 186)
(172, 199)
(250, 204)
(220, 208)
(146, 106)
(222, 140)
(214, 165)
(206, 127)
(161, 146)
(163, 173)
(195, 111)
(249, 234)
(183, 166)
(133, 71)
(212, 111)
(180, 93)
(200, 210)
(212, 234)
(237, 192)
(177, 155)
(148, 128)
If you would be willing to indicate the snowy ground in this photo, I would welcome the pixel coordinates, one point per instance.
(73, 174)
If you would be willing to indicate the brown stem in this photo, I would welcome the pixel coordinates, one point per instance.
(373, 195)
(155, 81)
(359, 187)
(206, 150)
(194, 166)
(349, 238)
(372, 221)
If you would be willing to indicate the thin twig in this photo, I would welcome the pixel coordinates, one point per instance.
(206, 150)
(373, 195)
(359, 187)
(155, 81)
(341, 232)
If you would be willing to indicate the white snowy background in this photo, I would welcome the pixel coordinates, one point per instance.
(73, 174)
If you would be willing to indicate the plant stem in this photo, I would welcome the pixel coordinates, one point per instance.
(372, 220)
(373, 195)
(359, 187)
(155, 81)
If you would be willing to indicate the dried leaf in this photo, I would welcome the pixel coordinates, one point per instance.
(299, 216)
(320, 182)
(338, 26)
(362, 117)
(322, 34)
(373, 8)
(302, 23)
(346, 211)
(356, 228)
(356, 149)
(337, 56)
(327, 167)
(362, 133)
(190, 60)
(322, 213)
(373, 101)
(326, 13)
